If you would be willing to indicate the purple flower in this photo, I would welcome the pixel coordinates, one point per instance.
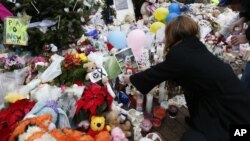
(14, 62)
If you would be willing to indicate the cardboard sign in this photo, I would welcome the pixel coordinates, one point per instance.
(97, 75)
(16, 31)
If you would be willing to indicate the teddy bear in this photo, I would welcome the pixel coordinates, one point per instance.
(114, 120)
(97, 125)
(90, 66)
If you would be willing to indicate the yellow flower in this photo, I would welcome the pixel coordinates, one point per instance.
(83, 57)
(13, 97)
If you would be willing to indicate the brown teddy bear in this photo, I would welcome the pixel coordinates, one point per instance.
(90, 66)
(114, 120)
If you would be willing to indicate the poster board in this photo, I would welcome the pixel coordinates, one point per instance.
(123, 8)
(15, 31)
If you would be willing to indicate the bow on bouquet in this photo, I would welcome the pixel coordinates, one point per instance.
(11, 116)
(94, 101)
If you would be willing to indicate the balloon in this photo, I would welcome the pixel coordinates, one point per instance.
(161, 13)
(117, 39)
(174, 8)
(155, 26)
(136, 41)
(215, 2)
(171, 16)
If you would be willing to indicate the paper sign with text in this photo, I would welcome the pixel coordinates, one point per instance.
(97, 75)
(16, 31)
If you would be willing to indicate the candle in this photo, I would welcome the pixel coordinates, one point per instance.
(172, 111)
(149, 103)
(159, 112)
(156, 122)
(139, 102)
(162, 92)
(159, 51)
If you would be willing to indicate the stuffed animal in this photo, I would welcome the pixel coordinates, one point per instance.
(59, 117)
(118, 135)
(97, 125)
(103, 136)
(90, 66)
(114, 120)
(38, 128)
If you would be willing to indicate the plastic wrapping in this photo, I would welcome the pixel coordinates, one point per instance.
(49, 74)
(53, 70)
(45, 92)
(11, 81)
(67, 102)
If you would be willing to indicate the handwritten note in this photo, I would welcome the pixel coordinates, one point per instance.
(16, 31)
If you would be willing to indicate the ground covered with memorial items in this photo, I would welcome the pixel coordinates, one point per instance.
(62, 64)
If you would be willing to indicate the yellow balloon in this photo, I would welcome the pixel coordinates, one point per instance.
(161, 13)
(214, 2)
(156, 26)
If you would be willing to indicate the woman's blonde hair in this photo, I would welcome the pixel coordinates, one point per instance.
(178, 29)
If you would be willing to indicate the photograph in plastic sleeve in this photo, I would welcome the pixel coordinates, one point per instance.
(126, 61)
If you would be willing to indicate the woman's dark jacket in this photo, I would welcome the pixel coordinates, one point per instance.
(215, 96)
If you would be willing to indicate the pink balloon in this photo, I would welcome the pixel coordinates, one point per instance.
(136, 41)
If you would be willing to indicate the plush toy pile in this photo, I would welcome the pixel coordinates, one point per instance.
(66, 83)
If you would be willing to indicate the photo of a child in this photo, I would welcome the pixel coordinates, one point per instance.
(126, 61)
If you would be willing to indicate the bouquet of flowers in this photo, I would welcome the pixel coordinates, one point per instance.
(94, 101)
(12, 62)
(72, 69)
(11, 116)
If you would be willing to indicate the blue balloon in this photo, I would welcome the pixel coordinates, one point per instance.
(117, 39)
(174, 8)
(171, 16)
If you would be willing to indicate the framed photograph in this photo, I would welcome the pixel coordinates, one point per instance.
(126, 60)
(121, 4)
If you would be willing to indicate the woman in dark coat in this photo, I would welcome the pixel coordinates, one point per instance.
(216, 98)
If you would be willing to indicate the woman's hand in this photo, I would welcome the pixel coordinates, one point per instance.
(239, 39)
(239, 23)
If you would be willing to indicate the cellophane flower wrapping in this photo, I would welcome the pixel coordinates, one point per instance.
(11, 81)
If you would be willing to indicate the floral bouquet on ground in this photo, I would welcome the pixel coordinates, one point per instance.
(11, 116)
(72, 69)
(94, 101)
(12, 62)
